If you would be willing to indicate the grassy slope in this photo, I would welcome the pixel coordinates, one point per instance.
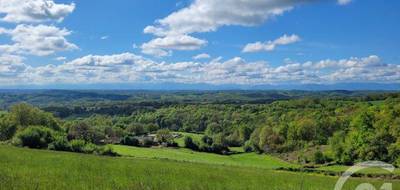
(181, 154)
(338, 168)
(39, 169)
(181, 142)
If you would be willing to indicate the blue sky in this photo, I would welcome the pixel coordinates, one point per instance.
(254, 42)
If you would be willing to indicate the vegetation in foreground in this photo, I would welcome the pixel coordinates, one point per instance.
(41, 169)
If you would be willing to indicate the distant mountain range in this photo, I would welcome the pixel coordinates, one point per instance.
(180, 86)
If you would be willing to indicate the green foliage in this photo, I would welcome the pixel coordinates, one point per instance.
(189, 143)
(136, 129)
(35, 137)
(60, 143)
(83, 131)
(319, 157)
(146, 142)
(107, 150)
(248, 147)
(7, 128)
(25, 115)
(89, 148)
(164, 136)
(355, 126)
(130, 141)
(78, 145)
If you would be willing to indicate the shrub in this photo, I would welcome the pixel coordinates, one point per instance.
(89, 148)
(35, 137)
(7, 130)
(319, 157)
(207, 140)
(189, 143)
(60, 143)
(78, 145)
(248, 147)
(172, 144)
(107, 151)
(164, 136)
(146, 142)
(83, 131)
(130, 141)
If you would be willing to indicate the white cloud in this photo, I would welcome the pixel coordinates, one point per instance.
(11, 67)
(271, 45)
(344, 2)
(60, 58)
(161, 46)
(104, 37)
(33, 11)
(209, 15)
(201, 56)
(40, 40)
(131, 68)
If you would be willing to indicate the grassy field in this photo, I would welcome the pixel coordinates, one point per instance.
(242, 159)
(365, 171)
(181, 154)
(41, 169)
(181, 142)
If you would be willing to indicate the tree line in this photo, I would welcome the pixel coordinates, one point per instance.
(352, 130)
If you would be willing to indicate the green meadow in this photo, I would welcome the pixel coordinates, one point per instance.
(186, 155)
(42, 169)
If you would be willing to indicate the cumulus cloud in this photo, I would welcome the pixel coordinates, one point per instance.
(201, 56)
(40, 40)
(33, 11)
(209, 15)
(11, 68)
(160, 46)
(131, 68)
(271, 45)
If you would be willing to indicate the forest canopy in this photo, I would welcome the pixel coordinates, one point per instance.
(341, 129)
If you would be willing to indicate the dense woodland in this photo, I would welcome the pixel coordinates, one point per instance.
(341, 127)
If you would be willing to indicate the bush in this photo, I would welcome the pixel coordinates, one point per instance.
(319, 157)
(130, 141)
(35, 137)
(78, 145)
(146, 142)
(248, 147)
(89, 148)
(189, 143)
(7, 129)
(60, 143)
(107, 151)
(83, 131)
(207, 140)
(164, 136)
(172, 144)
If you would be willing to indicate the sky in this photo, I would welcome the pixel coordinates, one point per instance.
(246, 43)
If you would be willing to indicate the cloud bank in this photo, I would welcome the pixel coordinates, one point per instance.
(132, 68)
